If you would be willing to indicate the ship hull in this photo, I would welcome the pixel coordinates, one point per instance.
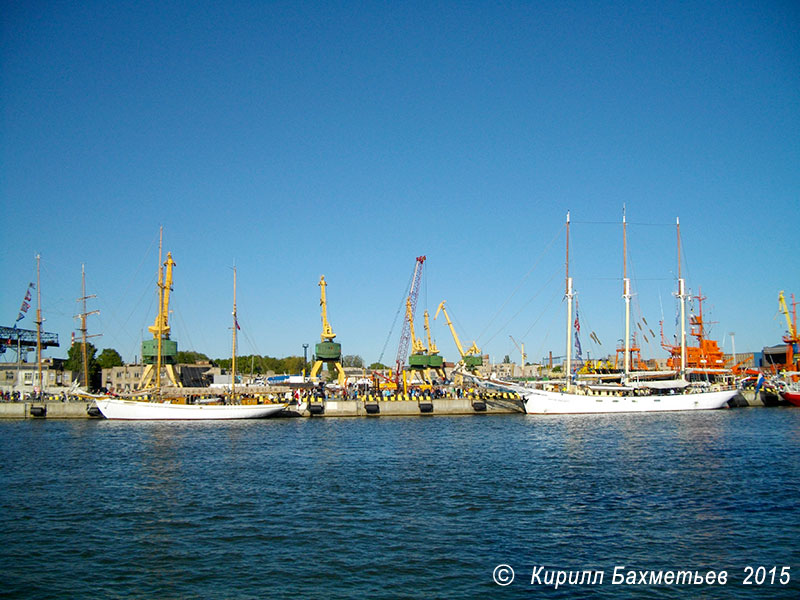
(546, 402)
(792, 397)
(115, 408)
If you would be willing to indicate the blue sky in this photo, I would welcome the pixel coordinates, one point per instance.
(300, 139)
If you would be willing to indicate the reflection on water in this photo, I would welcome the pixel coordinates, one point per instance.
(388, 507)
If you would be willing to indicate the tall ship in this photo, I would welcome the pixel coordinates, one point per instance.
(630, 394)
(161, 353)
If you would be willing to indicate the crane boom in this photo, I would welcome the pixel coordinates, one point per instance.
(471, 357)
(791, 327)
(327, 331)
(405, 335)
(450, 325)
(416, 344)
(432, 349)
(161, 327)
(521, 348)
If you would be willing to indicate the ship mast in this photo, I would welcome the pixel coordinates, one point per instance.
(626, 294)
(569, 295)
(39, 322)
(233, 351)
(682, 297)
(83, 329)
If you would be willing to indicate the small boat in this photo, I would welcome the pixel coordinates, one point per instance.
(792, 396)
(790, 391)
(628, 396)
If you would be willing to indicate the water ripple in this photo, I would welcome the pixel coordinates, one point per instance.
(392, 508)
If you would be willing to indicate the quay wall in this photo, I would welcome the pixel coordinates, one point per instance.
(406, 408)
(52, 410)
(332, 407)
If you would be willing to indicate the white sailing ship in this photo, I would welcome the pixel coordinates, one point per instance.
(120, 408)
(161, 408)
(569, 397)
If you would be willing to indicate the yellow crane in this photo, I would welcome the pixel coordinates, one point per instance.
(327, 351)
(470, 358)
(435, 360)
(160, 350)
(791, 338)
(418, 362)
(521, 348)
(785, 310)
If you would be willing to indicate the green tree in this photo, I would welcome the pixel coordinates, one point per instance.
(109, 358)
(191, 357)
(74, 363)
(376, 366)
(261, 365)
(506, 359)
(352, 360)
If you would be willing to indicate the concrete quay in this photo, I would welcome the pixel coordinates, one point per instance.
(331, 407)
(50, 410)
(491, 404)
(376, 407)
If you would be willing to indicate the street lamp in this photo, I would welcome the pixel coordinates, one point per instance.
(305, 360)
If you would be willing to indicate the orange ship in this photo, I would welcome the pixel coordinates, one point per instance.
(704, 358)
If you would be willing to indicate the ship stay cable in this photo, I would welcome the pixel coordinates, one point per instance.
(519, 285)
(121, 325)
(400, 309)
(523, 307)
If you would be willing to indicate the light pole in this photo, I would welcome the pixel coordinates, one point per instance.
(733, 346)
(305, 360)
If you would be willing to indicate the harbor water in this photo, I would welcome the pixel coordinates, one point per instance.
(423, 507)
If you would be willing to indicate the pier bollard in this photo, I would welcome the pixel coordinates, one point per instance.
(316, 406)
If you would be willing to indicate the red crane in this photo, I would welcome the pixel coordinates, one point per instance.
(405, 334)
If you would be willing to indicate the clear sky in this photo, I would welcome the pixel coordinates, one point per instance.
(299, 139)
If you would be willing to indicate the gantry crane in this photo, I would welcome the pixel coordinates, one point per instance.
(160, 350)
(435, 360)
(471, 358)
(327, 351)
(521, 348)
(791, 338)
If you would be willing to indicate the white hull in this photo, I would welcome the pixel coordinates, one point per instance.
(540, 402)
(114, 408)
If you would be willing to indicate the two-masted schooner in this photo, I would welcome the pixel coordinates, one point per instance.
(159, 407)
